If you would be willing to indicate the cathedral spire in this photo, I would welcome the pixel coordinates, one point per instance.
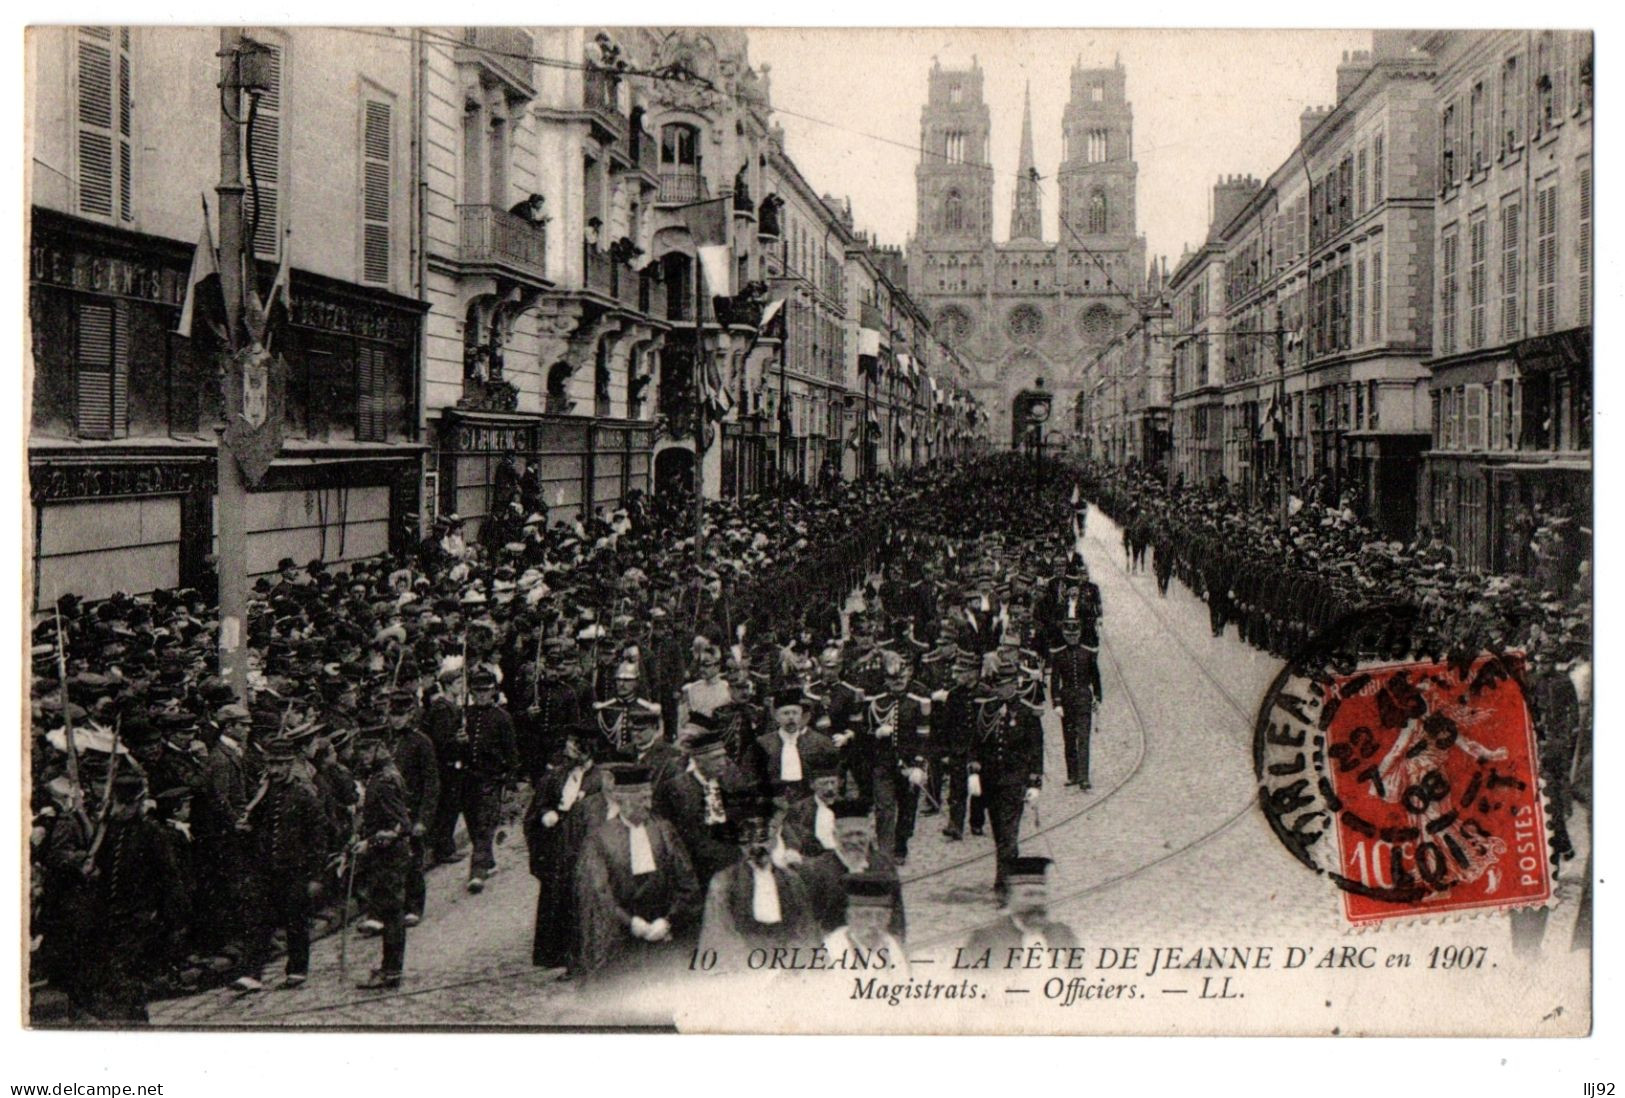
(1025, 220)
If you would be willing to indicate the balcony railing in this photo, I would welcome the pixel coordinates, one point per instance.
(678, 185)
(491, 235)
(600, 96)
(604, 275)
(504, 51)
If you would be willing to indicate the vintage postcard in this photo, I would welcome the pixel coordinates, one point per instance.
(809, 530)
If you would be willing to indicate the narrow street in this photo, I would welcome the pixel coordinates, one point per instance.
(1172, 814)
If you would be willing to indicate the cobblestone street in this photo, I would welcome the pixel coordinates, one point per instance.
(1168, 847)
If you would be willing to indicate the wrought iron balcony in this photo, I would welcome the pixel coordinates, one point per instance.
(681, 185)
(494, 240)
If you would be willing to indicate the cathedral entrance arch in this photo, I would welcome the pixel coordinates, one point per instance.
(1030, 413)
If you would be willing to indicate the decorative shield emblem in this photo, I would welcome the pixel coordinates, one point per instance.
(256, 392)
(256, 385)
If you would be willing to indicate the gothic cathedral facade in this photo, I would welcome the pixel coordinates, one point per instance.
(1026, 312)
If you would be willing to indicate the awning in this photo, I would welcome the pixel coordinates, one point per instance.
(1556, 465)
(1559, 350)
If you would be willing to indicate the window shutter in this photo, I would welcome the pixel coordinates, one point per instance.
(1376, 170)
(1475, 417)
(371, 376)
(1477, 281)
(1546, 259)
(1359, 301)
(102, 358)
(95, 138)
(125, 204)
(1583, 250)
(1511, 272)
(376, 177)
(1447, 296)
(264, 155)
(1376, 297)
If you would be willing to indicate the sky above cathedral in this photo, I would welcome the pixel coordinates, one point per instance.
(1206, 103)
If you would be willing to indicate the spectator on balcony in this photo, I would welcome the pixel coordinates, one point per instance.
(532, 209)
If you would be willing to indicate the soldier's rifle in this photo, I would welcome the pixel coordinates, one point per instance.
(462, 735)
(67, 729)
(536, 668)
(347, 868)
(106, 809)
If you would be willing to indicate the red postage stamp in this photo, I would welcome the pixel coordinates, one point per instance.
(1435, 768)
(1414, 786)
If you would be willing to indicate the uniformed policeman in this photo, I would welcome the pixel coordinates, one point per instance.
(493, 761)
(384, 849)
(420, 773)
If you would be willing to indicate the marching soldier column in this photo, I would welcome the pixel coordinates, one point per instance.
(739, 783)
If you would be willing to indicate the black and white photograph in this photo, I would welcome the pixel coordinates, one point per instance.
(806, 530)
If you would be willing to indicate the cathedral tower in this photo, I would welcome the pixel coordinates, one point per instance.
(1098, 175)
(1026, 221)
(954, 181)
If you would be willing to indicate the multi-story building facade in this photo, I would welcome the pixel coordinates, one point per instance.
(1026, 309)
(124, 136)
(563, 328)
(1327, 274)
(806, 265)
(1511, 362)
(493, 272)
(1128, 390)
(1196, 294)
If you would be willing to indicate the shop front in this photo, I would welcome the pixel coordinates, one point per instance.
(574, 465)
(123, 442)
(744, 458)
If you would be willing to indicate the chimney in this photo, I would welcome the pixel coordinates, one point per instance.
(1230, 195)
(1309, 119)
(1351, 71)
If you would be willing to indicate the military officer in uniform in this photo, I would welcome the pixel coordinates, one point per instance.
(953, 724)
(611, 714)
(895, 741)
(1008, 754)
(1075, 687)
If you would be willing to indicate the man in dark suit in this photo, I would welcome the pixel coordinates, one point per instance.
(691, 799)
(782, 755)
(420, 771)
(754, 904)
(1025, 923)
(980, 614)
